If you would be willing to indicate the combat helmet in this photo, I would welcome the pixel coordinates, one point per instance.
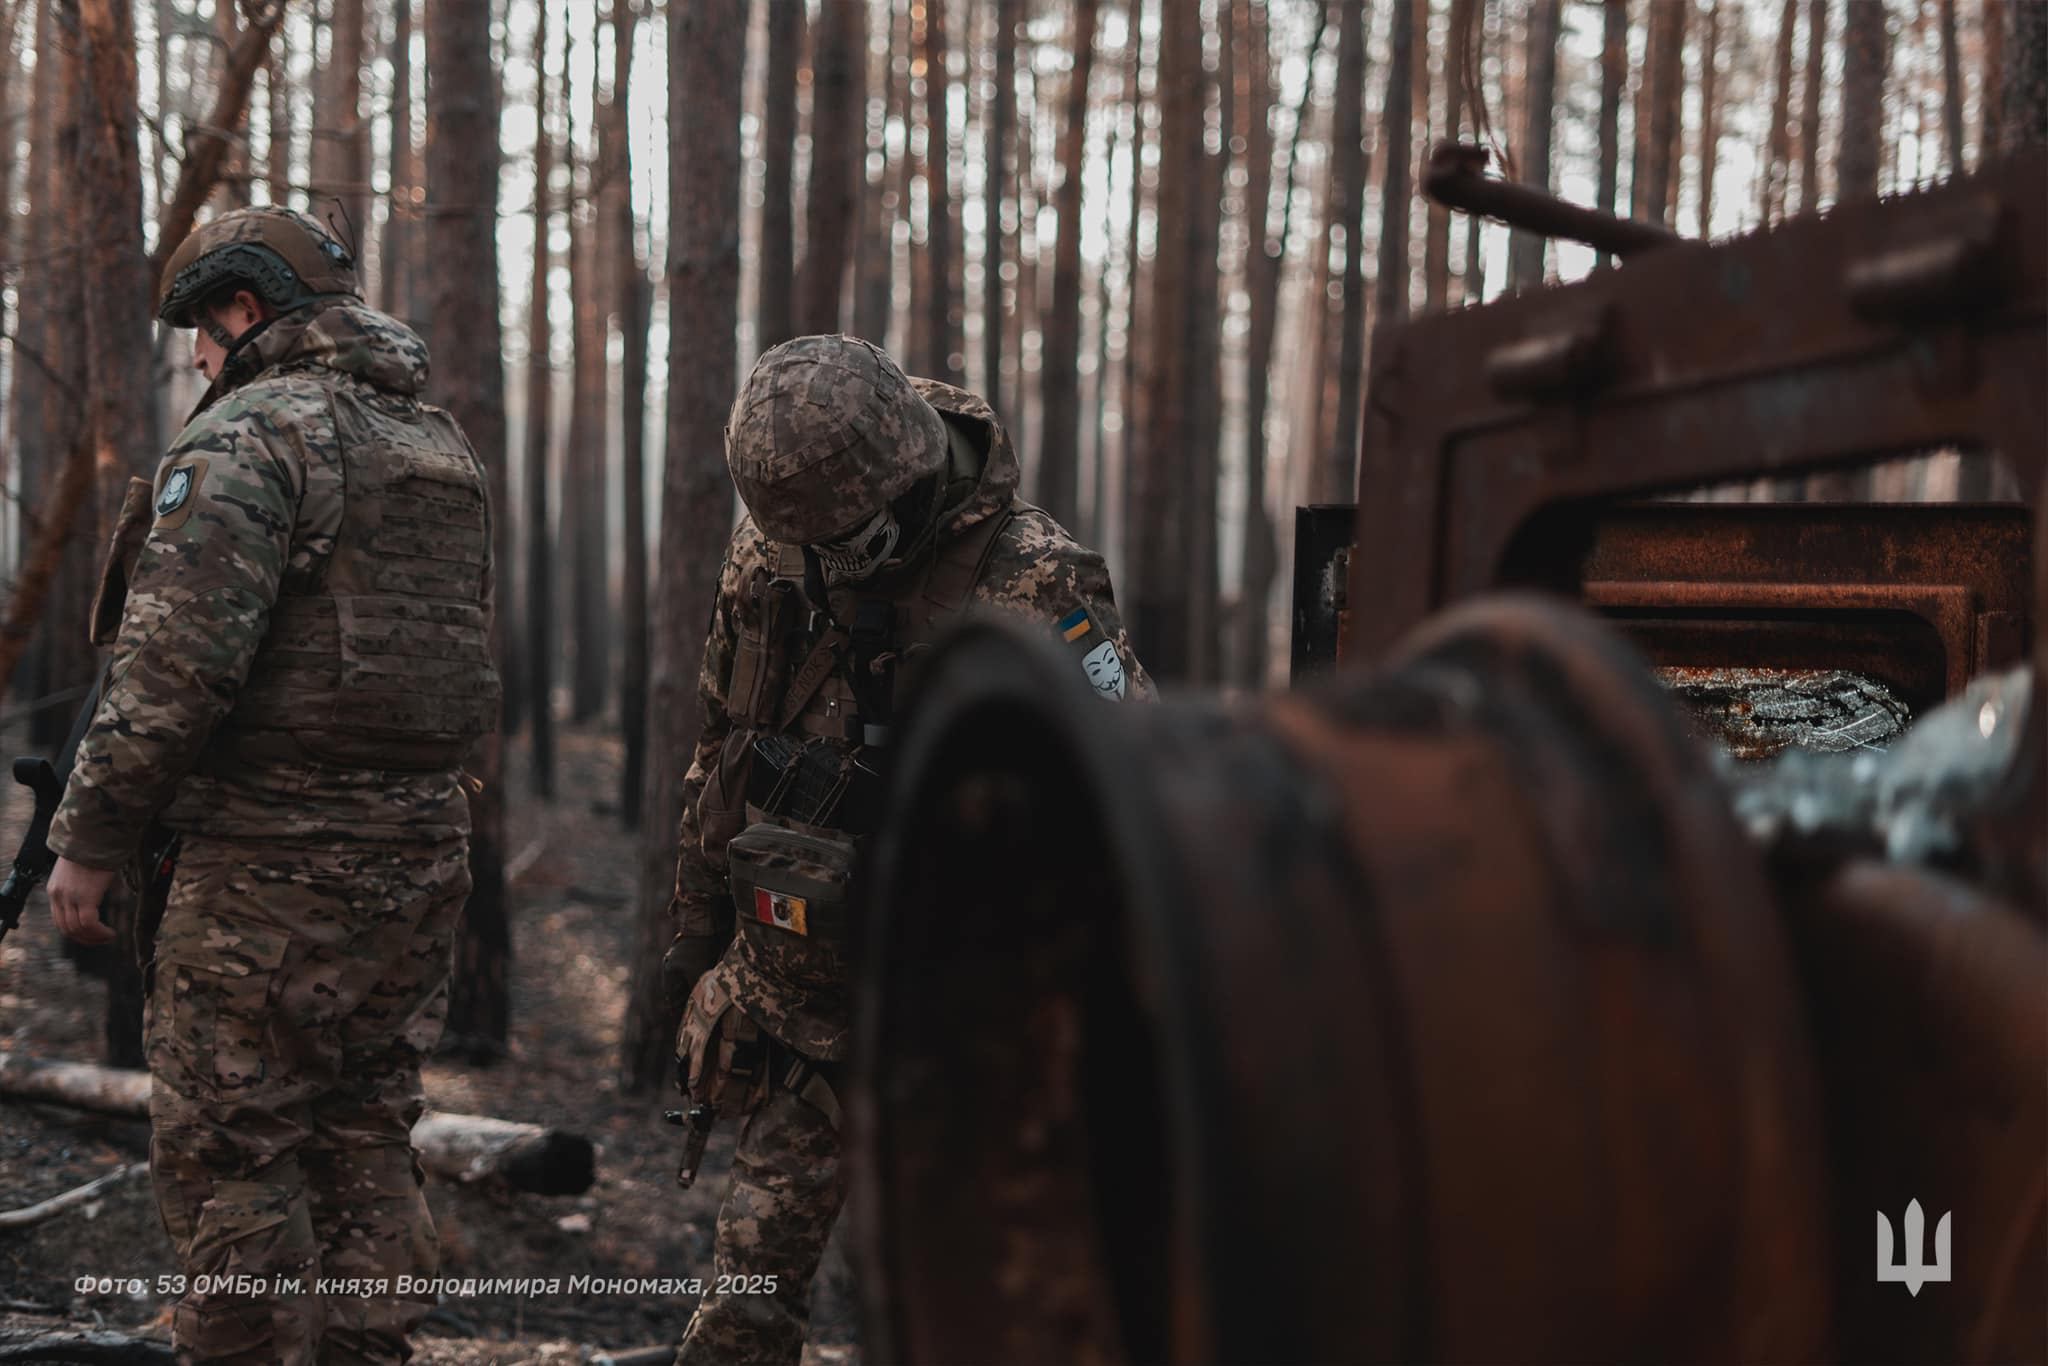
(281, 255)
(826, 433)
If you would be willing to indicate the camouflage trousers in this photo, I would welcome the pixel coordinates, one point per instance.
(295, 993)
(787, 1188)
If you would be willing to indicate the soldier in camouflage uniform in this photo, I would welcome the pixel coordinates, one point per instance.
(882, 508)
(299, 664)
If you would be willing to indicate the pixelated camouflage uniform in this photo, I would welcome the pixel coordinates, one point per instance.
(301, 967)
(787, 1186)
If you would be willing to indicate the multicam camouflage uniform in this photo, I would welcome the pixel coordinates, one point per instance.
(301, 662)
(782, 977)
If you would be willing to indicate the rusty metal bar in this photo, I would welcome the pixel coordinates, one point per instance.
(1456, 180)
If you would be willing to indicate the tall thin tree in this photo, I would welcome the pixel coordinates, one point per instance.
(540, 384)
(941, 302)
(1436, 240)
(1059, 449)
(773, 316)
(1809, 112)
(1001, 209)
(1526, 249)
(1777, 168)
(1348, 173)
(2025, 122)
(838, 151)
(696, 500)
(1864, 53)
(1991, 83)
(875, 255)
(1710, 111)
(462, 192)
(586, 472)
(631, 305)
(401, 221)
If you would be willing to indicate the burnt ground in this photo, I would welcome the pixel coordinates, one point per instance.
(572, 932)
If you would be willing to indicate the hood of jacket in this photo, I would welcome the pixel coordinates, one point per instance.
(341, 335)
(1000, 474)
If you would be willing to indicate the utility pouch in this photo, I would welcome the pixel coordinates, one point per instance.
(790, 888)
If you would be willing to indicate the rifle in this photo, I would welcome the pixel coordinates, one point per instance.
(46, 779)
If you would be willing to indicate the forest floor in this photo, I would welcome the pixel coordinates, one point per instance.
(572, 933)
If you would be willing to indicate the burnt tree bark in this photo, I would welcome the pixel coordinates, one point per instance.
(773, 310)
(462, 193)
(839, 58)
(630, 302)
(942, 303)
(696, 501)
(1863, 74)
(1060, 429)
(540, 643)
(1526, 249)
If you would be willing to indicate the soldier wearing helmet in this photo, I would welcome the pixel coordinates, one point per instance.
(881, 508)
(298, 608)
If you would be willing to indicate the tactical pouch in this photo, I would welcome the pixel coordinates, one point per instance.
(790, 888)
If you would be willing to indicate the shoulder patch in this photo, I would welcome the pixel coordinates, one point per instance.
(174, 494)
(1100, 663)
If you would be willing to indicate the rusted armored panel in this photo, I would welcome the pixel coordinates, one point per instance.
(1442, 1015)
(1493, 435)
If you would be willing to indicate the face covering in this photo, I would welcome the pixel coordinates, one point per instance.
(860, 553)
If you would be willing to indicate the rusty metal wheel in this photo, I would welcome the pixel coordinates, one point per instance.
(1438, 1014)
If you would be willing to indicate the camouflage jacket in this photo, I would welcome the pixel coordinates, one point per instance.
(259, 518)
(1035, 571)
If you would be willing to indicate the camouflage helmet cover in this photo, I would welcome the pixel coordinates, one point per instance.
(281, 254)
(825, 432)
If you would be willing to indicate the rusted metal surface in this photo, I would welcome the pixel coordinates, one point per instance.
(1456, 178)
(1928, 1014)
(1494, 436)
(1436, 1015)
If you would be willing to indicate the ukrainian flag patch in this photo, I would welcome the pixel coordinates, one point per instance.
(1076, 624)
(1100, 662)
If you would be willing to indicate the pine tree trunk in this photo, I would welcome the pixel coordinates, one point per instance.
(1667, 90)
(839, 54)
(277, 78)
(1205, 609)
(2026, 78)
(1951, 89)
(1348, 172)
(585, 467)
(1526, 249)
(630, 304)
(1001, 133)
(341, 137)
(1710, 114)
(1436, 242)
(942, 302)
(875, 256)
(540, 644)
(1809, 118)
(1137, 279)
(1059, 449)
(1863, 73)
(234, 178)
(773, 317)
(400, 225)
(1991, 87)
(1778, 143)
(1159, 507)
(462, 182)
(704, 209)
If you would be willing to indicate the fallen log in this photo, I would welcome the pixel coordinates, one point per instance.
(44, 1210)
(464, 1148)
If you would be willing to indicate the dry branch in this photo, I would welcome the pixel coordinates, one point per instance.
(44, 1210)
(207, 151)
(465, 1148)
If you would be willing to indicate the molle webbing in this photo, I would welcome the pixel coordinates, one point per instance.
(390, 666)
